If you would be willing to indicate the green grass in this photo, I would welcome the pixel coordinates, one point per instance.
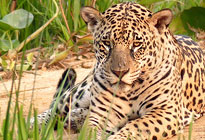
(16, 125)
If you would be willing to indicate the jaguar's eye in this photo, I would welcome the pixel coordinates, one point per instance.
(137, 44)
(107, 43)
(104, 47)
(137, 50)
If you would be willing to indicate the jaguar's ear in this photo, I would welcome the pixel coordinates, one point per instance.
(91, 16)
(161, 19)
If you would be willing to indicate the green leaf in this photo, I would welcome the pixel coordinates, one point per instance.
(5, 26)
(193, 17)
(3, 63)
(6, 45)
(30, 58)
(25, 67)
(12, 64)
(17, 19)
(60, 56)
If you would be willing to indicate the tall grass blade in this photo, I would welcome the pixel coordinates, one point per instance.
(22, 125)
(60, 129)
(49, 129)
(13, 122)
(76, 12)
(36, 128)
(6, 125)
(191, 127)
(4, 7)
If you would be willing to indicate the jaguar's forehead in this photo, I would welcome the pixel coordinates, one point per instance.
(127, 10)
(121, 20)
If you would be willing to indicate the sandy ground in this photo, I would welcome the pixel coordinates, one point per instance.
(45, 88)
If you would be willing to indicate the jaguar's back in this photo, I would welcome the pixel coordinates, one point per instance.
(192, 73)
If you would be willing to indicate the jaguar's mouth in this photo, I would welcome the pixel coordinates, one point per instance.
(121, 86)
(120, 82)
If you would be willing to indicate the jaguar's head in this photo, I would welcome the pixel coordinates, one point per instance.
(125, 39)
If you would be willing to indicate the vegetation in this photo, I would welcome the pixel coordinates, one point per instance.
(47, 23)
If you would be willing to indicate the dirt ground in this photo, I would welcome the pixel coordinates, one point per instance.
(45, 86)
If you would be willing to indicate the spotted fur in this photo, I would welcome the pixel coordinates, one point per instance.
(146, 84)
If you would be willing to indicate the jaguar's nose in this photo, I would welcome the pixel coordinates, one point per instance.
(120, 74)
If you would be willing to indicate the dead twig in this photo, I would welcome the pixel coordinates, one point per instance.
(24, 91)
(13, 5)
(64, 17)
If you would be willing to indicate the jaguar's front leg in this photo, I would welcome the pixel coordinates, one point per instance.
(74, 106)
(156, 125)
(76, 119)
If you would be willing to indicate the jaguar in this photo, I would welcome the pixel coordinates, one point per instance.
(146, 83)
